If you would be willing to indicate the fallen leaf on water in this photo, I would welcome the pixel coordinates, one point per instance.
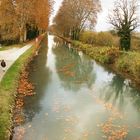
(29, 126)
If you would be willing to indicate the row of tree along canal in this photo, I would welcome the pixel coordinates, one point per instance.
(77, 99)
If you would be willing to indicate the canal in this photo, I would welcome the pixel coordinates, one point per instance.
(77, 99)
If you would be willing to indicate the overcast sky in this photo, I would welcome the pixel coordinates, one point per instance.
(102, 24)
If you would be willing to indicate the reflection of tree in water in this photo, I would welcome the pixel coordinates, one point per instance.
(39, 76)
(135, 95)
(58, 40)
(118, 92)
(80, 70)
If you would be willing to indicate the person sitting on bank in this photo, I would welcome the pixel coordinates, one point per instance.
(3, 65)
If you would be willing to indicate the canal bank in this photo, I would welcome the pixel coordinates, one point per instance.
(8, 91)
(26, 88)
(126, 64)
(77, 99)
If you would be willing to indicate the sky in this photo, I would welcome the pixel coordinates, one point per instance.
(102, 23)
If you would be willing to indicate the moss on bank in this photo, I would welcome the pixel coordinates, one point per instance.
(127, 63)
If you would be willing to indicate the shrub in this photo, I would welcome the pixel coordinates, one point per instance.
(135, 43)
(122, 64)
(104, 39)
(99, 39)
(130, 62)
(88, 37)
(103, 54)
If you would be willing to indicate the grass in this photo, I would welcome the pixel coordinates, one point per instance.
(129, 62)
(2, 48)
(105, 55)
(8, 88)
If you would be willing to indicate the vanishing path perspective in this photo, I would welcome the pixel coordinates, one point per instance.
(10, 56)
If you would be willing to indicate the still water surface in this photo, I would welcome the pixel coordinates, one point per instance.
(77, 99)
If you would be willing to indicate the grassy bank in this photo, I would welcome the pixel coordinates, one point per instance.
(124, 63)
(2, 48)
(8, 89)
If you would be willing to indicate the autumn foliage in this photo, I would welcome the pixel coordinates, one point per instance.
(20, 18)
(25, 87)
(76, 15)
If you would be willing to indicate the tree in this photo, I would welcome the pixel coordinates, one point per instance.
(8, 28)
(24, 12)
(124, 19)
(20, 18)
(42, 13)
(76, 15)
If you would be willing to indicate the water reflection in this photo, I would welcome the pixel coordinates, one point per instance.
(39, 76)
(114, 91)
(135, 99)
(118, 93)
(77, 99)
(73, 70)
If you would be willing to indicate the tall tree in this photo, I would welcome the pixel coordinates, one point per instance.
(24, 11)
(8, 20)
(124, 19)
(42, 13)
(19, 16)
(76, 15)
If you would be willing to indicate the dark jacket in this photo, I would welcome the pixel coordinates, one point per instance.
(3, 64)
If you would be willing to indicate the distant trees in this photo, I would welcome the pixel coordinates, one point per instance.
(99, 38)
(76, 15)
(124, 19)
(19, 17)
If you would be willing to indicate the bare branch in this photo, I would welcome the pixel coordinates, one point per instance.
(124, 15)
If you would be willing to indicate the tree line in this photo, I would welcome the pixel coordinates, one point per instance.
(76, 16)
(23, 19)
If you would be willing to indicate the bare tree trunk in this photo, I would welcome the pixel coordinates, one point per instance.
(40, 31)
(21, 34)
(25, 35)
(21, 37)
(125, 41)
(124, 19)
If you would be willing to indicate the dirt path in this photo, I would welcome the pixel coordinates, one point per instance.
(10, 56)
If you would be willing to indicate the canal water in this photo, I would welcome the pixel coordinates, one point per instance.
(77, 99)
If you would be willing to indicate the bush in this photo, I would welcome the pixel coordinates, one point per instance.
(122, 64)
(105, 55)
(135, 43)
(104, 39)
(88, 37)
(99, 39)
(130, 62)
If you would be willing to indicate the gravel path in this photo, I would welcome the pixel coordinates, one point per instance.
(10, 56)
